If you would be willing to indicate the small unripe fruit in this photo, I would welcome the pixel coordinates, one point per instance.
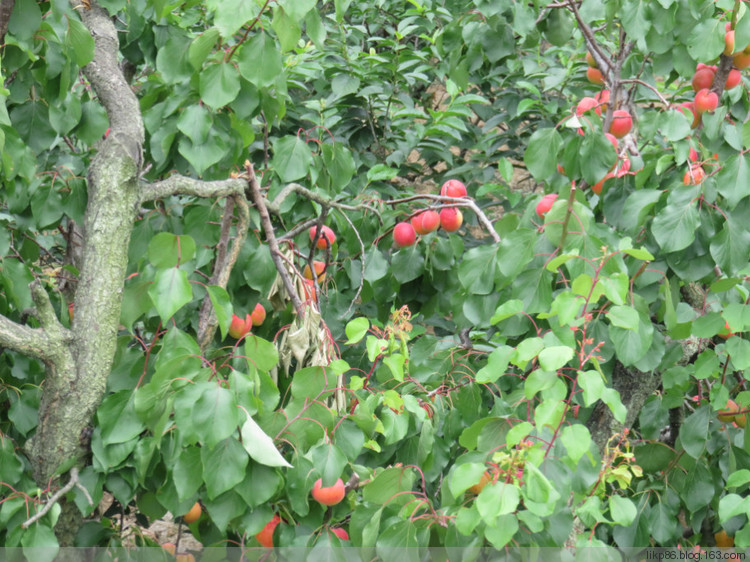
(695, 175)
(258, 315)
(594, 75)
(451, 219)
(239, 326)
(320, 270)
(265, 536)
(340, 533)
(693, 155)
(194, 514)
(727, 415)
(703, 78)
(170, 547)
(706, 101)
(622, 123)
(330, 495)
(545, 204)
(426, 222)
(585, 105)
(453, 188)
(590, 60)
(404, 234)
(326, 236)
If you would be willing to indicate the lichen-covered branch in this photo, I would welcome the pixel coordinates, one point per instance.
(183, 185)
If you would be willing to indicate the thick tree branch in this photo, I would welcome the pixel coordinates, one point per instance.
(6, 9)
(110, 85)
(183, 185)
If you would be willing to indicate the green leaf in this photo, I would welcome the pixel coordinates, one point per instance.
(541, 154)
(674, 124)
(654, 457)
(222, 307)
(623, 317)
(592, 384)
(260, 446)
(187, 473)
(170, 292)
(287, 29)
(407, 264)
(80, 41)
(497, 363)
(208, 410)
(495, 499)
(356, 330)
(201, 47)
(597, 157)
(261, 354)
(465, 476)
(622, 510)
(739, 350)
(674, 226)
(329, 462)
(731, 246)
(219, 85)
(555, 357)
(577, 441)
(694, 431)
(506, 310)
(506, 526)
(223, 466)
(291, 158)
(259, 61)
(166, 250)
(738, 478)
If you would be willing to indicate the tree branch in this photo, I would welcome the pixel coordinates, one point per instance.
(275, 205)
(265, 221)
(73, 482)
(224, 263)
(183, 185)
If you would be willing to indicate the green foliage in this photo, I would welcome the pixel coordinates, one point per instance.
(436, 364)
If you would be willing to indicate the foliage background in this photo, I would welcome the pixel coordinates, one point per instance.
(579, 359)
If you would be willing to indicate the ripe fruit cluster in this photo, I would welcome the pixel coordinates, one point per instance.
(449, 219)
(240, 327)
(323, 239)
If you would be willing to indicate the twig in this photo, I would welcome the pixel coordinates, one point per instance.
(265, 221)
(73, 482)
